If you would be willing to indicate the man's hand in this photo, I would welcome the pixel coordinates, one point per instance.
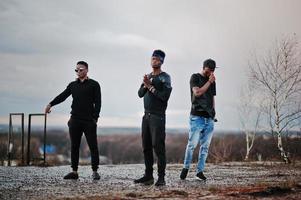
(95, 120)
(48, 109)
(212, 78)
(146, 81)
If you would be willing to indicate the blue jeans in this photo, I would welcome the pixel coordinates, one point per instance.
(201, 130)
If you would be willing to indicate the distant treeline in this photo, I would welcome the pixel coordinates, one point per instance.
(121, 148)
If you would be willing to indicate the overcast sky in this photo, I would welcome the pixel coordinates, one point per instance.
(41, 41)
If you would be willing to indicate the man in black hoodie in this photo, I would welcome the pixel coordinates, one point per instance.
(155, 90)
(85, 107)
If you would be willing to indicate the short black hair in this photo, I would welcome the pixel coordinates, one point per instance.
(83, 63)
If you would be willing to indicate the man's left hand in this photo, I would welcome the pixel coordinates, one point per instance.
(146, 81)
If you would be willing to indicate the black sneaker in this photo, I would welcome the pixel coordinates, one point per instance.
(146, 180)
(71, 175)
(95, 176)
(200, 176)
(184, 173)
(160, 182)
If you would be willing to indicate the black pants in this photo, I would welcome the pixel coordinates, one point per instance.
(76, 130)
(153, 137)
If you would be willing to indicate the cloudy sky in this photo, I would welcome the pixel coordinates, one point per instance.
(41, 41)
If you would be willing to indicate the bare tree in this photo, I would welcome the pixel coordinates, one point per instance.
(249, 111)
(221, 148)
(278, 77)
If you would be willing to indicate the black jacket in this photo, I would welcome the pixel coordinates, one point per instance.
(86, 96)
(156, 103)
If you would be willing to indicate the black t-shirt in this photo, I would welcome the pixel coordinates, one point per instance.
(202, 105)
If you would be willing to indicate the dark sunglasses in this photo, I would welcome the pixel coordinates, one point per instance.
(79, 70)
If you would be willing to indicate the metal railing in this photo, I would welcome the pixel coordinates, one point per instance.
(29, 137)
(11, 138)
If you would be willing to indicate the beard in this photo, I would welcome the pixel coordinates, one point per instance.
(156, 66)
(207, 74)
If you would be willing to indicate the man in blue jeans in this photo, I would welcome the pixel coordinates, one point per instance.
(201, 121)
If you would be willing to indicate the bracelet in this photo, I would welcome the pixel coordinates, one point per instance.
(152, 89)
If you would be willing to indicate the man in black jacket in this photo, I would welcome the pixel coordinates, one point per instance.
(85, 107)
(155, 90)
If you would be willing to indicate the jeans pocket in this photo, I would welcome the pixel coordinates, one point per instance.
(193, 121)
(157, 117)
(93, 123)
(193, 118)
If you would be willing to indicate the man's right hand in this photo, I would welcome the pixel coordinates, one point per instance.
(212, 78)
(48, 109)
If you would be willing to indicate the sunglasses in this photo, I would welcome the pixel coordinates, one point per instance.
(79, 70)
